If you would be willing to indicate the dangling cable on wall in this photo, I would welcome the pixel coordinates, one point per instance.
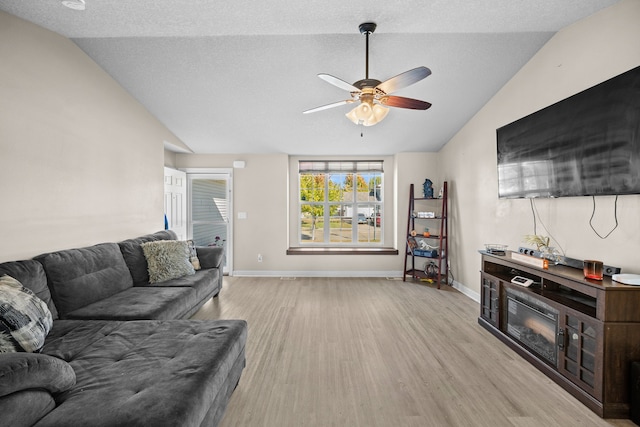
(535, 230)
(615, 216)
(534, 209)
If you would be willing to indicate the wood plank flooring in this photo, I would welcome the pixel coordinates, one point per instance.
(377, 352)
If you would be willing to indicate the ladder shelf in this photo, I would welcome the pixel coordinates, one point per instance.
(432, 248)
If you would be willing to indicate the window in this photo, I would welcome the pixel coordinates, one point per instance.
(340, 203)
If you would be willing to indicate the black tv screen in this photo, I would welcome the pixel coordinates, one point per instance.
(587, 144)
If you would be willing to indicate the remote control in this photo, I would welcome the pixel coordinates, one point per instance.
(522, 281)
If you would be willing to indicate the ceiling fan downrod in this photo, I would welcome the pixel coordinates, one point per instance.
(366, 29)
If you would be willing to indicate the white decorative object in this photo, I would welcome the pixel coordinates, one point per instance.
(627, 279)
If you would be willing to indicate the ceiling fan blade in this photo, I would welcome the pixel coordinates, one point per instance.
(326, 107)
(402, 102)
(403, 80)
(338, 83)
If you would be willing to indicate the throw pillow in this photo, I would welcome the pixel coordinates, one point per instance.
(193, 255)
(167, 259)
(25, 320)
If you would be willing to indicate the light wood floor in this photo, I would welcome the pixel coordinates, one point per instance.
(377, 352)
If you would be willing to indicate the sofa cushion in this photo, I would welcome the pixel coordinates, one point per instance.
(134, 257)
(25, 320)
(24, 371)
(141, 303)
(79, 277)
(143, 373)
(167, 259)
(202, 282)
(32, 276)
(12, 407)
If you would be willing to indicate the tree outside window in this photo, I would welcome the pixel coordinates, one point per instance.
(340, 203)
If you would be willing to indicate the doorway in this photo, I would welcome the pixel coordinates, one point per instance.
(209, 212)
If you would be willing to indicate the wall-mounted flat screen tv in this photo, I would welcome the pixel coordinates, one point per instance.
(587, 144)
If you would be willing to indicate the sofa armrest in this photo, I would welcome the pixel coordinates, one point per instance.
(210, 256)
(24, 371)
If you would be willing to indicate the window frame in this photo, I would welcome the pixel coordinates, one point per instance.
(330, 168)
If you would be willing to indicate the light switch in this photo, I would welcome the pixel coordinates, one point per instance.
(242, 215)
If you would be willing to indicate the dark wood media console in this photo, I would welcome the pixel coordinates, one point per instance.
(581, 333)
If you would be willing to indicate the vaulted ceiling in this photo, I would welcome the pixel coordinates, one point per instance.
(234, 77)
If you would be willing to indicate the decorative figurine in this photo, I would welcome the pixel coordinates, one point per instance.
(427, 189)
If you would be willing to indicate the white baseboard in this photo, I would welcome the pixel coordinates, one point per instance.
(466, 291)
(388, 274)
(323, 273)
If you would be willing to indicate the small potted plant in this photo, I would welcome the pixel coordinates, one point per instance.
(542, 245)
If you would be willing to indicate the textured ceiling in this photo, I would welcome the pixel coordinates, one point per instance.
(234, 77)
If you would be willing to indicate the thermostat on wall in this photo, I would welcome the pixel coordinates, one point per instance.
(522, 281)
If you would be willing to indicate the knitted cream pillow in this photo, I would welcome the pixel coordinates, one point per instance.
(167, 259)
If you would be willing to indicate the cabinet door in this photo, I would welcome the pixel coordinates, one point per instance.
(489, 299)
(580, 355)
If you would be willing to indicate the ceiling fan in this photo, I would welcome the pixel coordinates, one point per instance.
(374, 95)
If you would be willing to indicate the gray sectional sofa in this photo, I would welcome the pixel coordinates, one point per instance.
(121, 351)
(110, 281)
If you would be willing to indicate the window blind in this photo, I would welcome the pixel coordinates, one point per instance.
(332, 166)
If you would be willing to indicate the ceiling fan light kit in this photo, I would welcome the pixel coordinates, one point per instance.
(373, 95)
(74, 4)
(367, 114)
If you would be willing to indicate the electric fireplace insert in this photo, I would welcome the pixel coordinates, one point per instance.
(533, 323)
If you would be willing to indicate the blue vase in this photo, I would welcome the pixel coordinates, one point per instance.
(427, 189)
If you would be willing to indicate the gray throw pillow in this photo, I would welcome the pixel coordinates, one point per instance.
(25, 320)
(167, 259)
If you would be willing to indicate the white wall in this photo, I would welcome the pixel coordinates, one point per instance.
(170, 159)
(80, 160)
(262, 190)
(578, 57)
(259, 189)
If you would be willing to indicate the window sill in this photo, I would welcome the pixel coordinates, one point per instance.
(342, 251)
